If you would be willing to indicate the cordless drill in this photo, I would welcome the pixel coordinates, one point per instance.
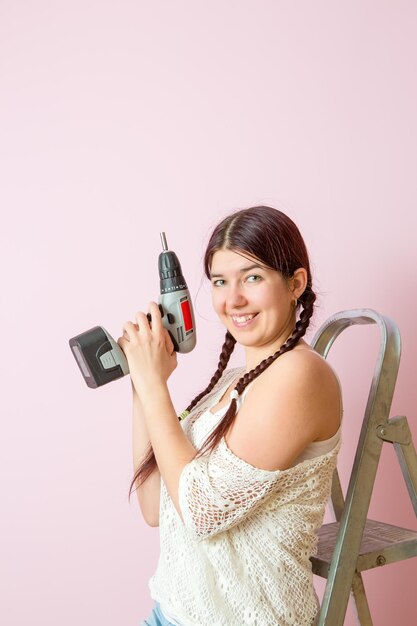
(100, 357)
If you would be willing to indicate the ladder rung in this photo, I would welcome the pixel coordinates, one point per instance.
(381, 544)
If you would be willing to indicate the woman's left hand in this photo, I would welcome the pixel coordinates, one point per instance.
(149, 349)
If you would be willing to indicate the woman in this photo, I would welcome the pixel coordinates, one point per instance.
(239, 487)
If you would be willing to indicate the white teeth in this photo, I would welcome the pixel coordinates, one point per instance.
(244, 318)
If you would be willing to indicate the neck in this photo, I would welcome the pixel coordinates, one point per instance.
(255, 355)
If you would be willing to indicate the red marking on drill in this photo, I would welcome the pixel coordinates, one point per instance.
(186, 314)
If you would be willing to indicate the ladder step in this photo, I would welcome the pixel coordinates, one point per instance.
(381, 544)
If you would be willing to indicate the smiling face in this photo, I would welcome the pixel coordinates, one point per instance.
(254, 302)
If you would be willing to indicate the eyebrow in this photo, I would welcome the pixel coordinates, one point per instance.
(241, 271)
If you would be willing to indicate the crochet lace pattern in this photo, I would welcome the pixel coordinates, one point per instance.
(242, 554)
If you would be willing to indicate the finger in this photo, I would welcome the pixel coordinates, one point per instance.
(143, 325)
(129, 330)
(122, 342)
(168, 342)
(126, 334)
(156, 318)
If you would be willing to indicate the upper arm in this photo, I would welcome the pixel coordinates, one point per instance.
(294, 402)
(148, 495)
(219, 490)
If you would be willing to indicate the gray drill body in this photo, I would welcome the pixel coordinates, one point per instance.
(100, 357)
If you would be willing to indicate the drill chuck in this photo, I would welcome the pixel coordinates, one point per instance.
(170, 272)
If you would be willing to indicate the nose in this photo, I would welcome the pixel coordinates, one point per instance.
(235, 296)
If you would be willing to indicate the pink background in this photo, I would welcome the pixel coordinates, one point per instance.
(122, 119)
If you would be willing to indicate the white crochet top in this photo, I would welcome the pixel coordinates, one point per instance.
(242, 554)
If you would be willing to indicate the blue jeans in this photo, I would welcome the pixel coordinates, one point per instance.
(156, 618)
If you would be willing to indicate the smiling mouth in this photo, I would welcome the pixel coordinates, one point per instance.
(243, 320)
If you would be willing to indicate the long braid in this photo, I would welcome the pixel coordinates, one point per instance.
(307, 300)
(225, 354)
(149, 462)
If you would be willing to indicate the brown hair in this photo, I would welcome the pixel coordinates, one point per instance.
(273, 238)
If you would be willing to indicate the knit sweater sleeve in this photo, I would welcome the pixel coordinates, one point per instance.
(219, 490)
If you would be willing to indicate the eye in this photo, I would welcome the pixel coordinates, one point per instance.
(219, 282)
(253, 278)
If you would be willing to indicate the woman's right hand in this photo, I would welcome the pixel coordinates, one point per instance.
(149, 350)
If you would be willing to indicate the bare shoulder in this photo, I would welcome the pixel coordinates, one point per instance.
(302, 367)
(294, 402)
(308, 386)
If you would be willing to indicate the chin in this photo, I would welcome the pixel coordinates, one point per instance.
(245, 341)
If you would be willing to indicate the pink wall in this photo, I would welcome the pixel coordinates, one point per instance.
(121, 119)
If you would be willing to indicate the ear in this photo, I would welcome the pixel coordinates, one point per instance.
(298, 282)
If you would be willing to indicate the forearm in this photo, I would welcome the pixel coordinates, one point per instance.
(140, 435)
(152, 359)
(148, 493)
(172, 448)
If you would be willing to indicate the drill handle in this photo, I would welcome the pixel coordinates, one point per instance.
(178, 319)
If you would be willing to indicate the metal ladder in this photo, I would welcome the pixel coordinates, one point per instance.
(354, 543)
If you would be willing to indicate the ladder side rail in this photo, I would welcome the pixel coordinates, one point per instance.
(346, 550)
(397, 431)
(366, 461)
(337, 497)
(407, 458)
(361, 607)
